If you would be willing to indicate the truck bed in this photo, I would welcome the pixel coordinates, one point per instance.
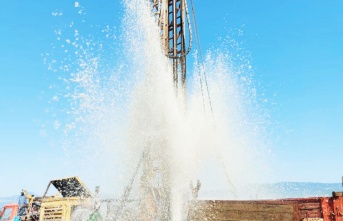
(295, 209)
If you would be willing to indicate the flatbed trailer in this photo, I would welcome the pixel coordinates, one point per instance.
(293, 209)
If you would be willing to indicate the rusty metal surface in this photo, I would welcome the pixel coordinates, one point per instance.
(327, 208)
(337, 208)
(326, 205)
(307, 207)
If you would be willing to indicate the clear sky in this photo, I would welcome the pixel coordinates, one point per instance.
(295, 49)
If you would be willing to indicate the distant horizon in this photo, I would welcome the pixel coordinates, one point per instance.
(339, 185)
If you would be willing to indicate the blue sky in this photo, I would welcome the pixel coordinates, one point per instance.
(295, 49)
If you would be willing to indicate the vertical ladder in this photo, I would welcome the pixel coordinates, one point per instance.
(170, 16)
(176, 46)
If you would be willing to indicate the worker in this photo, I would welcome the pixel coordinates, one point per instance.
(22, 204)
(22, 201)
(195, 190)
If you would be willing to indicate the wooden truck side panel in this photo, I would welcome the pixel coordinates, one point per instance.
(297, 209)
(243, 210)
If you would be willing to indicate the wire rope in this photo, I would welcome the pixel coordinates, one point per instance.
(201, 61)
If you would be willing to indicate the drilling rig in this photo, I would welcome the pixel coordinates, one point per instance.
(171, 16)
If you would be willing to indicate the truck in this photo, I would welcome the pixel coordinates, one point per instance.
(293, 209)
(9, 212)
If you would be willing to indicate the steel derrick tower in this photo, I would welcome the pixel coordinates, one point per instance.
(171, 18)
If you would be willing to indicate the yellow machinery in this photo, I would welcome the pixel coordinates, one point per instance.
(29, 211)
(72, 194)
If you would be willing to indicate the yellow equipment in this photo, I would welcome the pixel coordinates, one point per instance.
(30, 211)
(72, 193)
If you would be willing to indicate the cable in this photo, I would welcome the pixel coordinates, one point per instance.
(198, 61)
(202, 91)
(232, 187)
(201, 57)
(127, 191)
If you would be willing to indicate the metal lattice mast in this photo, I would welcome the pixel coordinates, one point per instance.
(155, 181)
(176, 47)
(171, 18)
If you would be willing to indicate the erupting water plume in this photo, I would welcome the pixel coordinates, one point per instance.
(131, 108)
